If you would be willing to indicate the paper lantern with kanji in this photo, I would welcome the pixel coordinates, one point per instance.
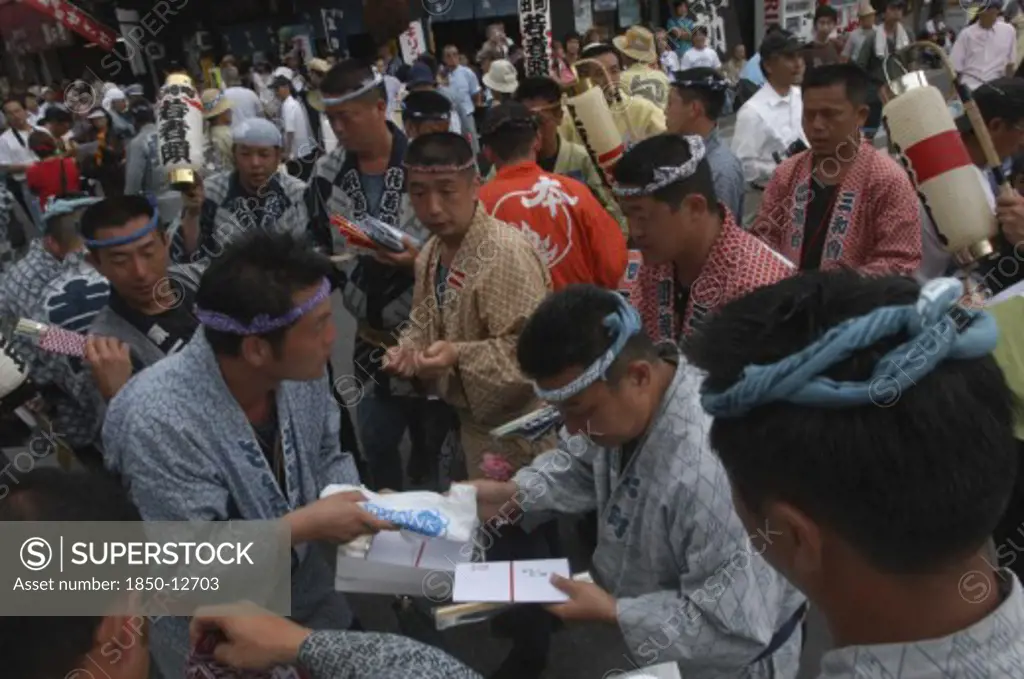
(179, 124)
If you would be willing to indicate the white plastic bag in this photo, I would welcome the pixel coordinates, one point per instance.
(446, 517)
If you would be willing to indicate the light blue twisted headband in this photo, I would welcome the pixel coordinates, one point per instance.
(935, 337)
(213, 104)
(58, 207)
(622, 324)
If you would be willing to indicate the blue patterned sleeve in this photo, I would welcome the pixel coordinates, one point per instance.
(347, 655)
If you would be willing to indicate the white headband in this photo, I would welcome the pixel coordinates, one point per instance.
(363, 89)
(666, 176)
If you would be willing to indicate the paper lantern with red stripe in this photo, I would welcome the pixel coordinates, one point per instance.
(597, 127)
(923, 132)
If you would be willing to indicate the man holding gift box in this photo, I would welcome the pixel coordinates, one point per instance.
(674, 568)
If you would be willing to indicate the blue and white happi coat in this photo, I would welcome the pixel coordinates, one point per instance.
(72, 301)
(378, 295)
(23, 282)
(186, 452)
(690, 587)
(229, 213)
(992, 648)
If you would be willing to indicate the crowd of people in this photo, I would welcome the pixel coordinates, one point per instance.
(721, 428)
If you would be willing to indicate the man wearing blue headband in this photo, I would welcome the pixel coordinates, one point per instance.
(240, 424)
(674, 568)
(865, 421)
(150, 305)
(255, 196)
(366, 177)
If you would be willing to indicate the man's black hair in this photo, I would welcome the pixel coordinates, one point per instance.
(258, 275)
(57, 114)
(1001, 99)
(599, 50)
(37, 647)
(112, 213)
(348, 75)
(431, 62)
(426, 105)
(143, 114)
(539, 87)
(826, 12)
(701, 30)
(509, 130)
(912, 486)
(20, 100)
(852, 77)
(713, 100)
(439, 149)
(65, 228)
(637, 168)
(567, 330)
(42, 144)
(571, 35)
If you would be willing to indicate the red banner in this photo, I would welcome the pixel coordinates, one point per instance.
(74, 19)
(26, 31)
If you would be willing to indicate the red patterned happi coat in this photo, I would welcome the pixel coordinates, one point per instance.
(737, 264)
(875, 225)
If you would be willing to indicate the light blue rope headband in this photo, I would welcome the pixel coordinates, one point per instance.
(58, 207)
(342, 98)
(935, 337)
(622, 324)
(213, 104)
(149, 228)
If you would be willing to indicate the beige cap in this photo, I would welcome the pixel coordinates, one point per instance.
(214, 103)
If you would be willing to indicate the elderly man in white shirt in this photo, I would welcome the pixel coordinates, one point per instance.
(771, 120)
(245, 103)
(987, 49)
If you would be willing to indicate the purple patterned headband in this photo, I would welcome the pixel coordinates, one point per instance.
(263, 323)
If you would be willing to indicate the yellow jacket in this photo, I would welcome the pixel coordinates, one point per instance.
(640, 80)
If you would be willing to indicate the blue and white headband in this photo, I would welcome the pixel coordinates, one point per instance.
(213, 104)
(709, 83)
(149, 228)
(936, 336)
(58, 207)
(263, 323)
(367, 85)
(623, 324)
(666, 176)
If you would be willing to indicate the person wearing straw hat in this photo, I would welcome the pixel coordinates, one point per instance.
(635, 118)
(502, 80)
(217, 114)
(642, 77)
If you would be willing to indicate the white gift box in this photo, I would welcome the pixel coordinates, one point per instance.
(404, 563)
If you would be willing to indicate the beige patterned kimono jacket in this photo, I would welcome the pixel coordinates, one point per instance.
(493, 285)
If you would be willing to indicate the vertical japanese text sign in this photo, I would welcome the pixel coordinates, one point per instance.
(535, 24)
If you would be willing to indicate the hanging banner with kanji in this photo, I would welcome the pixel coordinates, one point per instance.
(413, 42)
(74, 19)
(535, 24)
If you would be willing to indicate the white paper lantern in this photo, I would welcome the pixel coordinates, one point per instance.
(180, 135)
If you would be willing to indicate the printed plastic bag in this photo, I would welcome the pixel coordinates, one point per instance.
(448, 517)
